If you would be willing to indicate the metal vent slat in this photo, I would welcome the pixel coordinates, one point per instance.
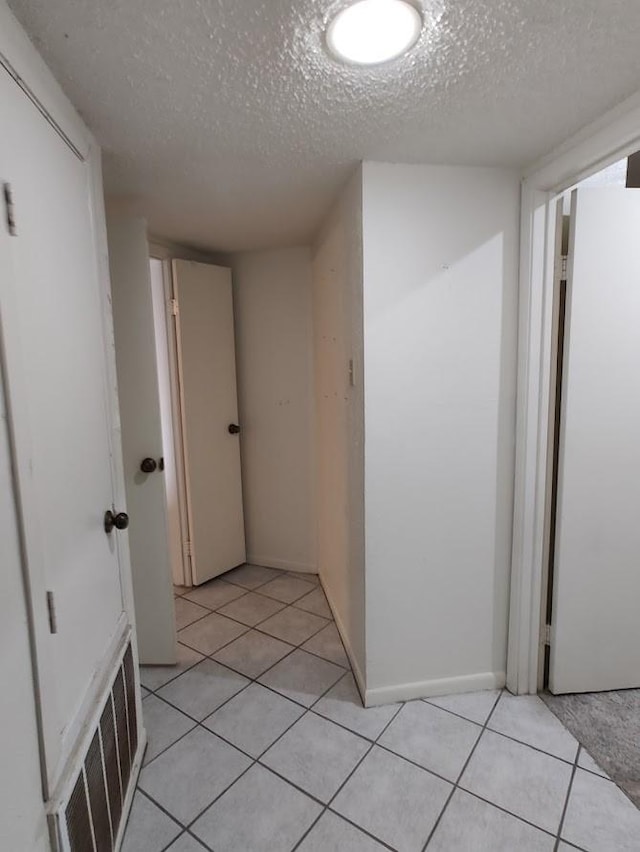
(78, 819)
(110, 749)
(90, 816)
(132, 715)
(120, 708)
(98, 796)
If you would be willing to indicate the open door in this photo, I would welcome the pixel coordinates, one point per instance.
(142, 445)
(209, 412)
(595, 636)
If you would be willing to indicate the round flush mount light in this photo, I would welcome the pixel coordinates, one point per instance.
(369, 32)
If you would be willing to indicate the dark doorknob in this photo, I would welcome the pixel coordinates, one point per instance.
(233, 428)
(119, 521)
(148, 465)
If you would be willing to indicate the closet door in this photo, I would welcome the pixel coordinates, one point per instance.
(52, 311)
(209, 404)
(595, 638)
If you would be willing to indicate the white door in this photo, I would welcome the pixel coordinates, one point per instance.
(52, 313)
(209, 404)
(595, 638)
(142, 444)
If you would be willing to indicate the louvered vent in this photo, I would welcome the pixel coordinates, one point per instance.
(94, 809)
(78, 819)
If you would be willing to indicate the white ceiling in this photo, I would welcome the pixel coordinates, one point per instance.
(229, 127)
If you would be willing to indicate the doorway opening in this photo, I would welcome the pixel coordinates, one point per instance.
(589, 662)
(195, 353)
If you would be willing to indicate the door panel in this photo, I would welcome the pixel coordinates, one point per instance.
(142, 438)
(595, 629)
(55, 349)
(207, 366)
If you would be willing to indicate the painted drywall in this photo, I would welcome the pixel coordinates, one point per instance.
(138, 392)
(23, 823)
(337, 319)
(440, 279)
(274, 350)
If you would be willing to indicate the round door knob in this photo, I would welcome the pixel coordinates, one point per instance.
(148, 465)
(119, 521)
(233, 428)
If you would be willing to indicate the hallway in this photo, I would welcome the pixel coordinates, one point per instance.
(258, 743)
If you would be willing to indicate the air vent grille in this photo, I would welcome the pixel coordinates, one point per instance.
(122, 732)
(93, 812)
(112, 770)
(94, 772)
(78, 819)
(131, 701)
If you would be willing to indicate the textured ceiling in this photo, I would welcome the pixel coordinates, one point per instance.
(229, 127)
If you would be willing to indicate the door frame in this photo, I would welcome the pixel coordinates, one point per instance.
(607, 140)
(176, 416)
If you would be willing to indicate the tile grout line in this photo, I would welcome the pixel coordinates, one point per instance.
(157, 691)
(349, 671)
(327, 806)
(253, 760)
(508, 736)
(328, 620)
(319, 801)
(461, 773)
(256, 627)
(311, 709)
(257, 761)
(566, 800)
(237, 671)
(200, 723)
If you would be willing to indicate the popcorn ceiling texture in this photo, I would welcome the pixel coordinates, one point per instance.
(226, 123)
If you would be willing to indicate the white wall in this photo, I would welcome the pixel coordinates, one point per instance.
(272, 304)
(337, 316)
(22, 817)
(440, 285)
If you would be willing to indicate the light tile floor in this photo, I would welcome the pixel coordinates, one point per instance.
(258, 742)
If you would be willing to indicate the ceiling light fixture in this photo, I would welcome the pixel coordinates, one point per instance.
(373, 31)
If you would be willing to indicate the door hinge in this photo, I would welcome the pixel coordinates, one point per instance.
(187, 548)
(51, 608)
(174, 307)
(564, 266)
(9, 209)
(546, 636)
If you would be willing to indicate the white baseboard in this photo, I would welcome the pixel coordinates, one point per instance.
(429, 688)
(357, 672)
(282, 564)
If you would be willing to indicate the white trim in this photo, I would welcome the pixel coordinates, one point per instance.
(88, 717)
(171, 327)
(355, 666)
(429, 688)
(612, 137)
(162, 249)
(34, 76)
(282, 564)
